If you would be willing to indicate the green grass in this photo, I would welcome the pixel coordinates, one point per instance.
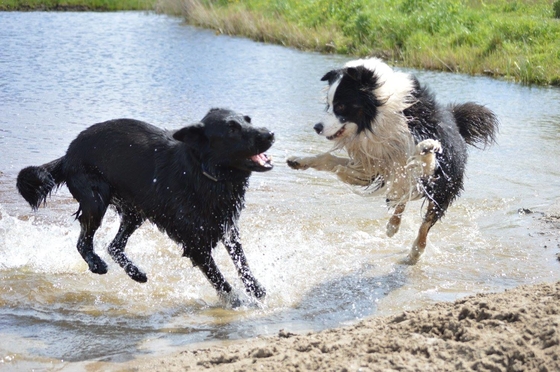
(97, 5)
(518, 40)
(513, 39)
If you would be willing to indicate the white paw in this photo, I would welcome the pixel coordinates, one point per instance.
(428, 146)
(392, 229)
(414, 254)
(297, 163)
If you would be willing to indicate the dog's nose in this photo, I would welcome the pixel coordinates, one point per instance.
(266, 135)
(319, 128)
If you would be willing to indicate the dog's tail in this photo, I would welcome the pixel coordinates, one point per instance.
(36, 183)
(477, 124)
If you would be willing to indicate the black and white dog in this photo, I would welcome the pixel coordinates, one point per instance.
(400, 141)
(190, 183)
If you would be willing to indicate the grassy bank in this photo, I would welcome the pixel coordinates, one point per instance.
(80, 5)
(518, 40)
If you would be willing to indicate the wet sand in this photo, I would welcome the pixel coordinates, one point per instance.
(517, 330)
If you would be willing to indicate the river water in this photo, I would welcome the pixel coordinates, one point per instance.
(318, 248)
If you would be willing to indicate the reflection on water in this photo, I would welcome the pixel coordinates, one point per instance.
(319, 249)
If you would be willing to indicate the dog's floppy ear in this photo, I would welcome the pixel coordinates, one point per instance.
(331, 76)
(193, 134)
(364, 76)
(354, 73)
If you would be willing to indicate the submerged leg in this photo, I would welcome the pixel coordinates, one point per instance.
(432, 215)
(235, 250)
(395, 220)
(129, 223)
(85, 248)
(205, 262)
(93, 197)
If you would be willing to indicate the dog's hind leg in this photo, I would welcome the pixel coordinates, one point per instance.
(432, 216)
(93, 197)
(85, 247)
(235, 250)
(129, 223)
(395, 220)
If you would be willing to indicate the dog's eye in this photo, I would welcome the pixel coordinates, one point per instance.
(234, 126)
(339, 108)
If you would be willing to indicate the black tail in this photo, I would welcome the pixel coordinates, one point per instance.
(36, 183)
(477, 124)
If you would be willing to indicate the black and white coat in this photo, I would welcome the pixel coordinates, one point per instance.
(399, 140)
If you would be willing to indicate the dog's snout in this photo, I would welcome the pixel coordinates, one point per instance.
(270, 136)
(266, 135)
(319, 128)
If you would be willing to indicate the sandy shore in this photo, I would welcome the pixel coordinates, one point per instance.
(518, 330)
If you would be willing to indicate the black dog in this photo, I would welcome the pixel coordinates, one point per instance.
(190, 183)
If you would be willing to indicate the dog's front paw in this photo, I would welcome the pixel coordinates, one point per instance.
(424, 163)
(135, 274)
(96, 264)
(428, 146)
(230, 299)
(257, 290)
(297, 163)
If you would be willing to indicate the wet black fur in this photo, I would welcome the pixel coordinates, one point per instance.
(454, 126)
(191, 183)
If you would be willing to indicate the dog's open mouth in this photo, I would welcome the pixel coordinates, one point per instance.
(261, 162)
(337, 134)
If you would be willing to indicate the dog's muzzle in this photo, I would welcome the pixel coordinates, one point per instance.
(319, 127)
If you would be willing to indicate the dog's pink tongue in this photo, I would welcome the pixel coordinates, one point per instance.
(260, 159)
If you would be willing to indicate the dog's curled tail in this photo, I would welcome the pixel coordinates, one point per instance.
(35, 183)
(477, 124)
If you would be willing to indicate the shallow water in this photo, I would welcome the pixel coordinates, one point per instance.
(318, 248)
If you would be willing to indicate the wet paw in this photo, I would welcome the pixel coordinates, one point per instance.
(409, 260)
(392, 229)
(428, 146)
(257, 290)
(296, 163)
(97, 265)
(230, 299)
(413, 256)
(135, 274)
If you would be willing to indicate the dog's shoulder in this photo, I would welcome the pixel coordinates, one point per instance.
(423, 115)
(122, 130)
(124, 125)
